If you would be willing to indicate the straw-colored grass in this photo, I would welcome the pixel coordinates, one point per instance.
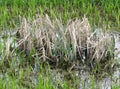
(58, 43)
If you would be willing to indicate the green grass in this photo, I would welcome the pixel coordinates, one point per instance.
(16, 74)
(19, 77)
(98, 12)
(22, 79)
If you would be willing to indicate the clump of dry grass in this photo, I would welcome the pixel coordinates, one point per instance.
(58, 43)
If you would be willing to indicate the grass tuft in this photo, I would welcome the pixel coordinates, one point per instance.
(57, 43)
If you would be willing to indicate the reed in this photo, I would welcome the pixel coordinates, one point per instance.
(58, 43)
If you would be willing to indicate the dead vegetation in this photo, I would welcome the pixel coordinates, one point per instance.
(57, 43)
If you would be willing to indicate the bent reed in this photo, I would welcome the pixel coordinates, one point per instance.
(59, 44)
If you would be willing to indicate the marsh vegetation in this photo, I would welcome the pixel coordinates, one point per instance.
(59, 45)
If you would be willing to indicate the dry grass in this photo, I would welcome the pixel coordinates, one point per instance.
(58, 43)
